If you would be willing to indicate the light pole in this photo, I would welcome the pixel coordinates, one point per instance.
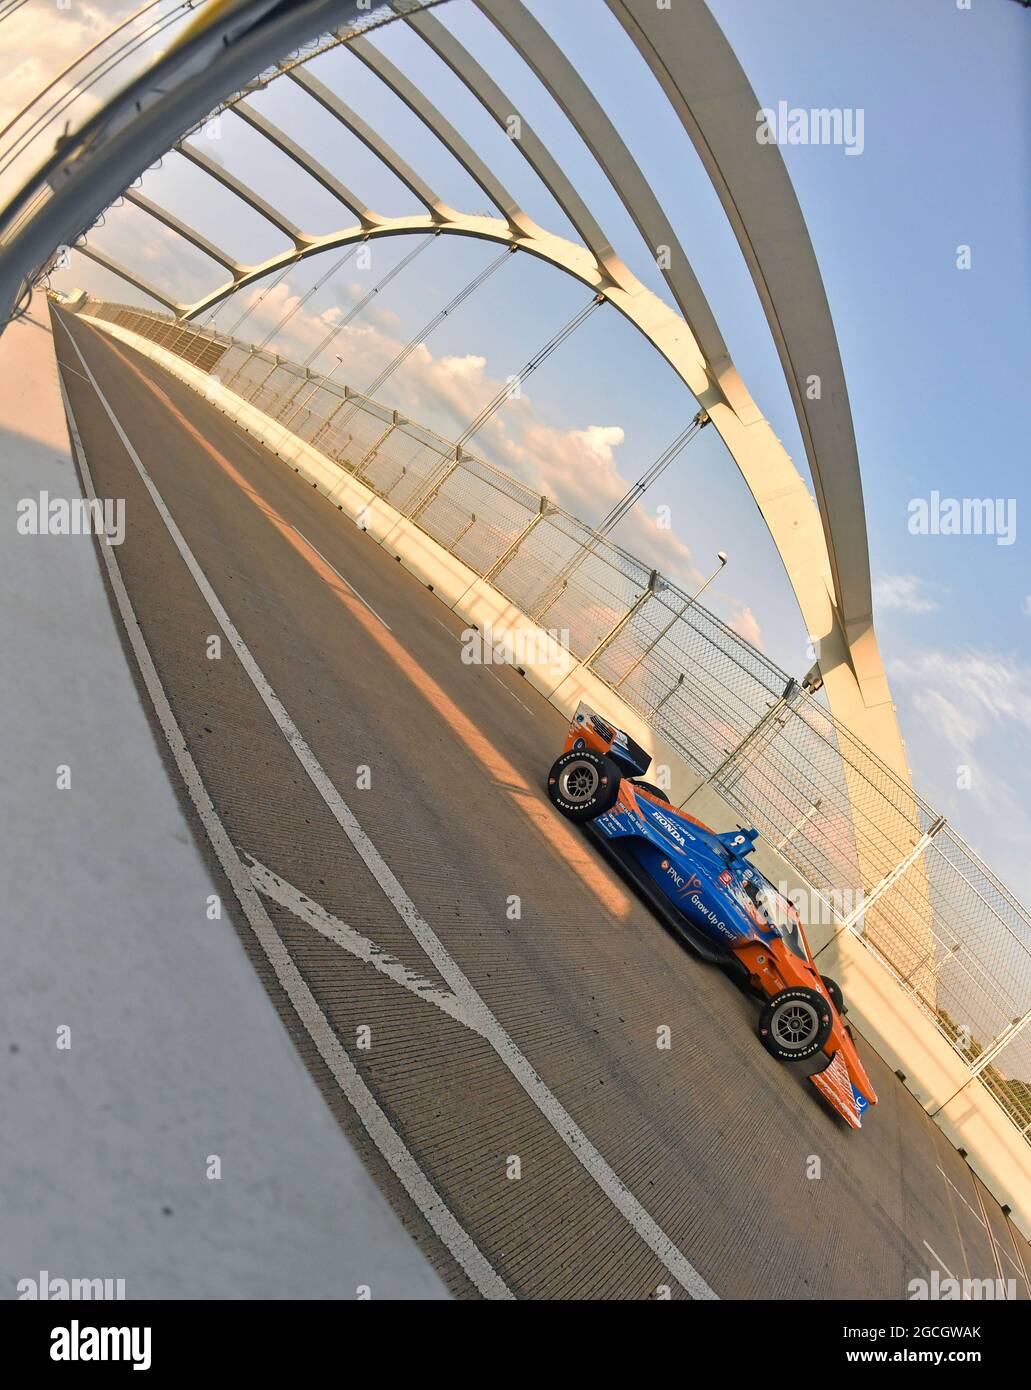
(721, 555)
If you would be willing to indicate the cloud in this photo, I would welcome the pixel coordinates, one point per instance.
(746, 625)
(957, 727)
(904, 593)
(1027, 606)
(577, 467)
(30, 63)
(972, 709)
(986, 690)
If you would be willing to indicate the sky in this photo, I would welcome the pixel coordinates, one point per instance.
(936, 356)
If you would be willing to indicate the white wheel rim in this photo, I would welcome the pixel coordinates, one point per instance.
(578, 782)
(795, 1024)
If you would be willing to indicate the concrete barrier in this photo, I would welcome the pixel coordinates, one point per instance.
(879, 1008)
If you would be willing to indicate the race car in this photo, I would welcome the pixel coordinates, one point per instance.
(701, 883)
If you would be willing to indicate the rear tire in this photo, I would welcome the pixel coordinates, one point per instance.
(834, 990)
(583, 785)
(795, 1023)
(647, 787)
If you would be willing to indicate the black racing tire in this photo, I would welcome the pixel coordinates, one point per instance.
(795, 1023)
(834, 990)
(583, 784)
(649, 787)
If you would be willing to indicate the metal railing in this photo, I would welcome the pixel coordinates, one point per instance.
(877, 858)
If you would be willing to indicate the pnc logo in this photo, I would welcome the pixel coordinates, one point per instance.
(683, 884)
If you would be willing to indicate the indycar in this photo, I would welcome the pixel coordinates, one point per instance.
(701, 884)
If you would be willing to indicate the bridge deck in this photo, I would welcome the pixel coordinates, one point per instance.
(712, 1138)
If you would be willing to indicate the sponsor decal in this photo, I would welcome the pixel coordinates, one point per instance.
(671, 830)
(683, 883)
(711, 917)
(836, 1085)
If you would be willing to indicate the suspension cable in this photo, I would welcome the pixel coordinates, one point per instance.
(634, 494)
(619, 511)
(362, 303)
(277, 328)
(251, 307)
(9, 8)
(500, 397)
(436, 321)
(90, 78)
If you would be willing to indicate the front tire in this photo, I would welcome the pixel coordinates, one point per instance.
(795, 1023)
(582, 784)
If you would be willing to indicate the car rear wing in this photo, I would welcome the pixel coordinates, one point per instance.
(623, 750)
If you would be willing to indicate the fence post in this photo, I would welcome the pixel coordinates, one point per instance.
(1003, 1040)
(428, 497)
(324, 427)
(287, 399)
(183, 331)
(259, 385)
(371, 453)
(988, 1055)
(753, 733)
(803, 820)
(635, 607)
(892, 876)
(506, 555)
(668, 695)
(465, 529)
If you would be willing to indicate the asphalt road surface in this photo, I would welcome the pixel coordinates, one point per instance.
(478, 995)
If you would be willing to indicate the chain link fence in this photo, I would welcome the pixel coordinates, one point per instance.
(877, 858)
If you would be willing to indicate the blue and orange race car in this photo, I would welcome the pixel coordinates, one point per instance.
(702, 885)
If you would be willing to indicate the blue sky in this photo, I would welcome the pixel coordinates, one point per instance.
(936, 358)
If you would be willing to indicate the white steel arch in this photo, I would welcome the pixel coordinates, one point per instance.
(822, 544)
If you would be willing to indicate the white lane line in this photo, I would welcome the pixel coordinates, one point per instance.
(346, 582)
(458, 639)
(65, 368)
(366, 1107)
(548, 1104)
(505, 688)
(938, 1260)
(316, 916)
(991, 1234)
(976, 1215)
